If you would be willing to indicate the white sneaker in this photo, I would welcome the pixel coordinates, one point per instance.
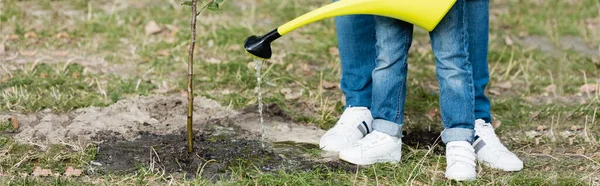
(460, 161)
(491, 152)
(376, 147)
(354, 124)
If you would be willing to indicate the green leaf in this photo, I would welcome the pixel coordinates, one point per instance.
(219, 1)
(187, 3)
(213, 6)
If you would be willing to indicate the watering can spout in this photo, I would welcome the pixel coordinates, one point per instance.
(260, 46)
(424, 13)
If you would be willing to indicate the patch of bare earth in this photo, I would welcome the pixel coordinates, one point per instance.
(153, 114)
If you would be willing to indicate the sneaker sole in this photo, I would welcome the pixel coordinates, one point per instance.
(515, 169)
(461, 178)
(362, 162)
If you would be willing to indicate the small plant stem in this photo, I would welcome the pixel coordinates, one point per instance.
(190, 91)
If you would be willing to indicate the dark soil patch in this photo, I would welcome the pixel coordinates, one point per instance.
(424, 139)
(215, 155)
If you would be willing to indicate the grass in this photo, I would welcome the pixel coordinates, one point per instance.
(111, 57)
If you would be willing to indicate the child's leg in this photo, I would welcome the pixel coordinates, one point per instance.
(449, 42)
(394, 38)
(389, 76)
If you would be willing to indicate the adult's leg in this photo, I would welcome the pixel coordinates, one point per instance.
(384, 144)
(487, 145)
(478, 29)
(356, 43)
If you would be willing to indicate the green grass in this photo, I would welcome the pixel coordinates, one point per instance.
(65, 89)
(115, 33)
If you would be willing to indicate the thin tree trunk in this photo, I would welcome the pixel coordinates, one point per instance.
(190, 91)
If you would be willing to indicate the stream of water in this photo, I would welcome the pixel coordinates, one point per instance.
(258, 67)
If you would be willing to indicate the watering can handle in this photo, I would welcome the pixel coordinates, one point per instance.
(423, 13)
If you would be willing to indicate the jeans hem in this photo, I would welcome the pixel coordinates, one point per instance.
(388, 127)
(458, 134)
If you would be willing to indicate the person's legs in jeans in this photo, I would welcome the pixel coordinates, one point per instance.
(449, 41)
(356, 43)
(394, 38)
(478, 29)
(389, 90)
(487, 146)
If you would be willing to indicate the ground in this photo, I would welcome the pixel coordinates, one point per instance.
(100, 87)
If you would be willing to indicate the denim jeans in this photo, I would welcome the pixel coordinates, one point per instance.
(449, 42)
(356, 43)
(357, 63)
(478, 28)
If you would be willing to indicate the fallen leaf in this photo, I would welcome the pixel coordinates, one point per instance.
(496, 123)
(494, 91)
(152, 28)
(550, 88)
(213, 60)
(60, 53)
(38, 171)
(532, 134)
(30, 35)
(541, 128)
(70, 171)
(2, 48)
(535, 114)
(14, 122)
(23, 175)
(12, 37)
(504, 85)
(291, 95)
(226, 91)
(508, 41)
(235, 47)
(62, 35)
(28, 53)
(329, 85)
(334, 51)
(163, 52)
(432, 113)
(588, 88)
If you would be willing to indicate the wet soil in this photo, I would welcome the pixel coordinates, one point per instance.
(424, 139)
(215, 154)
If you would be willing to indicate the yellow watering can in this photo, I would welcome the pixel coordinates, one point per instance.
(423, 13)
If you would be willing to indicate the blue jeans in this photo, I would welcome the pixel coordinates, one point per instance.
(355, 33)
(356, 43)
